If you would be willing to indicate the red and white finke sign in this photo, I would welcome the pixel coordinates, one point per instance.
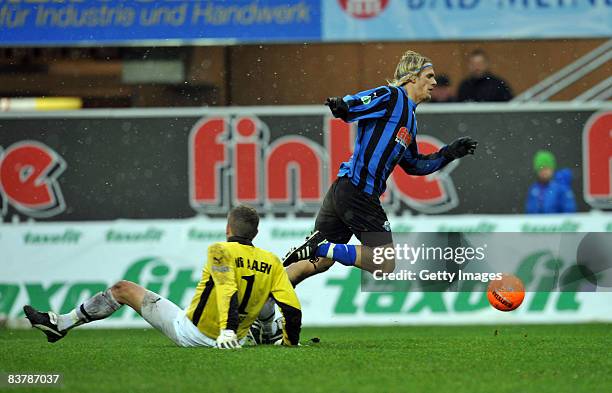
(363, 9)
(597, 160)
(28, 179)
(231, 161)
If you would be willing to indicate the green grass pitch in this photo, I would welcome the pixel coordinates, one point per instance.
(526, 358)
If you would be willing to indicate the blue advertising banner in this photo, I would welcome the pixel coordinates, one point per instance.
(66, 22)
(116, 22)
(363, 20)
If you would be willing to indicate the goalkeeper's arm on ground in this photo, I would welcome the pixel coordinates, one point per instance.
(285, 297)
(224, 277)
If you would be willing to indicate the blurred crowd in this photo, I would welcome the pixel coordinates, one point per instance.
(480, 85)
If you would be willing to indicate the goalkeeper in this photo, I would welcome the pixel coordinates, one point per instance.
(386, 138)
(237, 280)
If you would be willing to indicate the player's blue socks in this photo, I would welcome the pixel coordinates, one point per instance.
(346, 254)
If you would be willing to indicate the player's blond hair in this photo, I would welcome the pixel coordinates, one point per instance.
(409, 66)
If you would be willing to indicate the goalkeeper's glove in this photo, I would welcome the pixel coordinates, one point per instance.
(228, 340)
(338, 107)
(459, 148)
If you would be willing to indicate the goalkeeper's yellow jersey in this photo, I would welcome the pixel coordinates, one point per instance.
(237, 280)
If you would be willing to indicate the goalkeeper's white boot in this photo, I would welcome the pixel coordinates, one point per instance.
(46, 322)
(306, 251)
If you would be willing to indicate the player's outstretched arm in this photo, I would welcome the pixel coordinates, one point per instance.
(338, 107)
(460, 148)
(417, 164)
(368, 104)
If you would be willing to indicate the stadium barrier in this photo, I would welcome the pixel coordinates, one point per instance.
(57, 265)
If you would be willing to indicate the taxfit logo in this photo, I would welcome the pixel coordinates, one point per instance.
(232, 161)
(597, 160)
(152, 272)
(29, 171)
(363, 9)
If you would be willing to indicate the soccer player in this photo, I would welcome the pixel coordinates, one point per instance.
(386, 137)
(237, 280)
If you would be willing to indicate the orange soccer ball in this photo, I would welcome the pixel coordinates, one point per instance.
(506, 294)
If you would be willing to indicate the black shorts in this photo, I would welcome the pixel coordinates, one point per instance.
(348, 211)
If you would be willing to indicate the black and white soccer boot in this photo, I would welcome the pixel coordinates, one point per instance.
(306, 250)
(255, 334)
(45, 321)
(276, 337)
(258, 336)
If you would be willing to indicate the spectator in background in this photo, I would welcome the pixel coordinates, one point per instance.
(552, 192)
(442, 92)
(481, 85)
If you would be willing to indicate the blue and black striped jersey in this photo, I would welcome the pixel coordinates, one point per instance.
(386, 137)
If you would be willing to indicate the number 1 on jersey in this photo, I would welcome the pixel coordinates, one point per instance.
(247, 293)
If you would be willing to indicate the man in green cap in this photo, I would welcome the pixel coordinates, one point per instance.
(552, 192)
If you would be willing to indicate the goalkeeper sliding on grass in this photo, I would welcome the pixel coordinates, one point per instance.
(238, 283)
